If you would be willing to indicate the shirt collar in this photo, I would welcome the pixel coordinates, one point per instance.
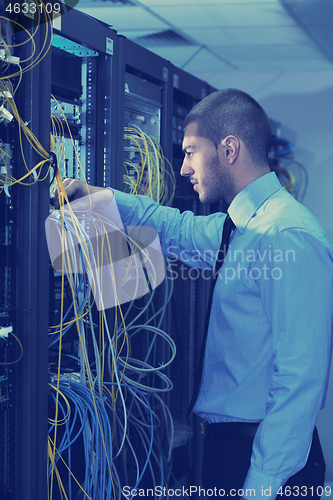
(246, 203)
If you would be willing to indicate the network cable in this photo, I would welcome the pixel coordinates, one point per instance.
(122, 368)
(291, 172)
(150, 175)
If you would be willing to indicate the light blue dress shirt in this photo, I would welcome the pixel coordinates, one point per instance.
(268, 348)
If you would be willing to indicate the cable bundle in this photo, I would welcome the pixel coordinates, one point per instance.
(148, 176)
(291, 172)
(12, 69)
(113, 385)
(8, 62)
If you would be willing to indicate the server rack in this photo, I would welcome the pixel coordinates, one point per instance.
(144, 106)
(142, 100)
(23, 418)
(82, 96)
(187, 92)
(84, 89)
(89, 48)
(188, 307)
(144, 88)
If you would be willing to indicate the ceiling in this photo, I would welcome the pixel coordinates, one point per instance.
(218, 36)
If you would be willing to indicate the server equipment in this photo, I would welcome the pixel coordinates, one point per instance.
(84, 89)
(54, 123)
(144, 152)
(144, 101)
(81, 404)
(188, 303)
(107, 368)
(25, 86)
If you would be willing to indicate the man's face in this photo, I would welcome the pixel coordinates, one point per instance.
(204, 165)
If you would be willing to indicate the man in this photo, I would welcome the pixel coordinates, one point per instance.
(267, 355)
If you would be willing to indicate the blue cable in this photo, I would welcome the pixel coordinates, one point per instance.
(288, 147)
(70, 326)
(96, 456)
(306, 175)
(162, 471)
(72, 304)
(96, 437)
(151, 434)
(96, 470)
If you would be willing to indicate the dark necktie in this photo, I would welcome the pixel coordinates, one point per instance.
(228, 226)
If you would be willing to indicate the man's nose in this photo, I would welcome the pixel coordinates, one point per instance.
(186, 169)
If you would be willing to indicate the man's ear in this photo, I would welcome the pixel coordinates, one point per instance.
(230, 148)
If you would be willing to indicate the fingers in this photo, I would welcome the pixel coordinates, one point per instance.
(81, 196)
(74, 189)
(55, 202)
(55, 199)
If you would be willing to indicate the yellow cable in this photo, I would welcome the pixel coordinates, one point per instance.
(59, 361)
(67, 417)
(71, 473)
(21, 354)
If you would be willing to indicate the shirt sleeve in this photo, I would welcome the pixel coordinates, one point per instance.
(195, 240)
(298, 304)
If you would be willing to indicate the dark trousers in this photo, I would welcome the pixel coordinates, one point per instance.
(226, 460)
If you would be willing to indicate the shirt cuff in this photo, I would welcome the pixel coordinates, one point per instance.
(258, 485)
(111, 211)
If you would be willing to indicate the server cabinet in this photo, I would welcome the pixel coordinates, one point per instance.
(74, 64)
(24, 200)
(83, 111)
(144, 96)
(187, 92)
(128, 372)
(84, 53)
(188, 305)
(144, 134)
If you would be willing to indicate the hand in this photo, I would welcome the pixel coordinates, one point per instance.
(91, 197)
